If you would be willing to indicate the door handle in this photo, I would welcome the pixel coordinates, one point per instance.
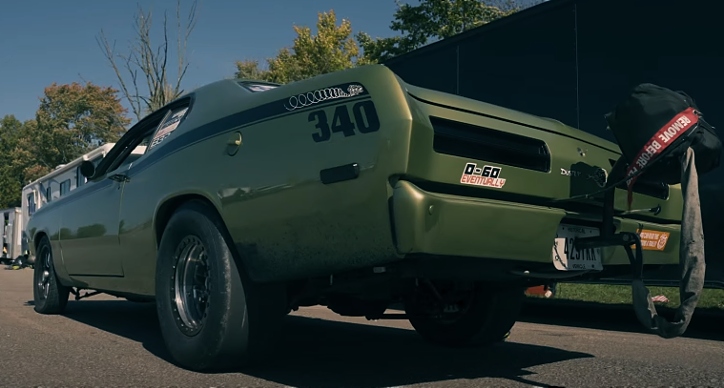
(119, 178)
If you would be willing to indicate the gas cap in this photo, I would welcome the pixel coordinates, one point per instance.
(233, 144)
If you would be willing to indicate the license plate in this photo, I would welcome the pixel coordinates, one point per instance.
(567, 258)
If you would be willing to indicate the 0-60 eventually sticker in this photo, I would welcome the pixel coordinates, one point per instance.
(488, 176)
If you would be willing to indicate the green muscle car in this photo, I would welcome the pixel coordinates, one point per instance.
(352, 190)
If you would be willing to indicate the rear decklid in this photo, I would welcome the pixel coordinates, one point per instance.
(464, 146)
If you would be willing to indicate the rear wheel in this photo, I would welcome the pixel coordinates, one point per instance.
(49, 296)
(456, 314)
(211, 315)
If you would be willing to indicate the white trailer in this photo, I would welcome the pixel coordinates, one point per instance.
(11, 234)
(56, 184)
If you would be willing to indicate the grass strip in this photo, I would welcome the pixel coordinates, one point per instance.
(620, 294)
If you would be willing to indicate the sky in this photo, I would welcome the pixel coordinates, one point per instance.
(46, 41)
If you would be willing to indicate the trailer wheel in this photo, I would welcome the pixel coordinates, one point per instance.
(211, 315)
(470, 315)
(49, 296)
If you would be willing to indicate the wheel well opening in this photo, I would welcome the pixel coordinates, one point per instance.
(169, 207)
(38, 237)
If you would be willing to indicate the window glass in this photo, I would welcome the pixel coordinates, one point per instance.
(31, 204)
(79, 178)
(47, 194)
(168, 125)
(64, 187)
(257, 86)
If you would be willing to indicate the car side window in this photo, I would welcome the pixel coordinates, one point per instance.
(154, 130)
(134, 150)
(169, 124)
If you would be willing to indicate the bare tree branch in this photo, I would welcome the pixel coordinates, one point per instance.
(182, 43)
(153, 64)
(108, 51)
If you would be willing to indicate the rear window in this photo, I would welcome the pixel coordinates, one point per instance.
(257, 86)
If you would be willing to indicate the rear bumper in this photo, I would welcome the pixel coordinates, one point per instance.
(444, 225)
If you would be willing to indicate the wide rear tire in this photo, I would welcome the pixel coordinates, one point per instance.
(228, 321)
(485, 317)
(49, 296)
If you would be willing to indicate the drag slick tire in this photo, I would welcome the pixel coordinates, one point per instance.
(452, 314)
(49, 296)
(212, 317)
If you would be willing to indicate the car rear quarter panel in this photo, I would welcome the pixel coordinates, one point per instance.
(284, 221)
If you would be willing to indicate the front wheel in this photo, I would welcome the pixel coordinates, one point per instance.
(49, 296)
(211, 315)
(456, 314)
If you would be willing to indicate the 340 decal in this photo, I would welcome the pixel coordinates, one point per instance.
(363, 112)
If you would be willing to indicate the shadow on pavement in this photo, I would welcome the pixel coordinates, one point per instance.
(321, 353)
(704, 324)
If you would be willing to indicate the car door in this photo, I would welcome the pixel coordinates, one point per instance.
(89, 232)
(90, 222)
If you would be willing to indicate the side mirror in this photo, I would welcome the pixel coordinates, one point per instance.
(87, 168)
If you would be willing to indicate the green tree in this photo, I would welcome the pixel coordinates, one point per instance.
(18, 158)
(24, 158)
(72, 119)
(11, 178)
(429, 21)
(333, 48)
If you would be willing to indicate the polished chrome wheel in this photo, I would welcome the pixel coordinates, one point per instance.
(50, 296)
(191, 285)
(43, 281)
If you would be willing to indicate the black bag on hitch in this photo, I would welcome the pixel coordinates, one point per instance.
(663, 135)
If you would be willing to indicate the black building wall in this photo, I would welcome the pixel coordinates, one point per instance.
(573, 60)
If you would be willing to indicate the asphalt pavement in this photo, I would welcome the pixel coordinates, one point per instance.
(106, 341)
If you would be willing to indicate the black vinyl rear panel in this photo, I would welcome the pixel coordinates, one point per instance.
(470, 141)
